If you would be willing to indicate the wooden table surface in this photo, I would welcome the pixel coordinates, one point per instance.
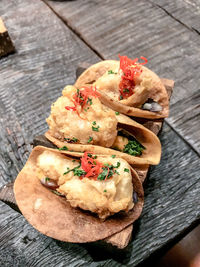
(51, 38)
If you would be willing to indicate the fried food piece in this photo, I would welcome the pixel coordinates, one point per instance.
(106, 192)
(109, 83)
(87, 121)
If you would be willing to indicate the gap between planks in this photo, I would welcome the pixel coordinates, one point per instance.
(81, 37)
(181, 137)
(77, 33)
(173, 17)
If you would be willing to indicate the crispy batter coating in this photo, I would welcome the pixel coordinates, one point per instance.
(65, 123)
(109, 84)
(104, 197)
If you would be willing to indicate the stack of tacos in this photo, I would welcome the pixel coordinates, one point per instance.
(88, 188)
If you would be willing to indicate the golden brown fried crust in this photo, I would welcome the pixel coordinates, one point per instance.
(151, 155)
(158, 92)
(53, 216)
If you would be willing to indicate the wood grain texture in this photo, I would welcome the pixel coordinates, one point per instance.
(121, 239)
(7, 194)
(142, 28)
(172, 204)
(185, 11)
(32, 78)
(187, 119)
(21, 245)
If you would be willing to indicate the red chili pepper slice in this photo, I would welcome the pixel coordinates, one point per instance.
(81, 97)
(72, 108)
(131, 69)
(145, 61)
(91, 166)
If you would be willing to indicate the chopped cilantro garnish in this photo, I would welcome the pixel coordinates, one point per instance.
(126, 170)
(85, 109)
(117, 113)
(73, 160)
(89, 101)
(94, 123)
(133, 148)
(80, 96)
(107, 172)
(47, 179)
(113, 156)
(90, 139)
(76, 171)
(103, 174)
(121, 97)
(111, 72)
(105, 190)
(95, 129)
(117, 166)
(116, 172)
(63, 148)
(126, 90)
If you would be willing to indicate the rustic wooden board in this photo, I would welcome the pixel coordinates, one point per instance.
(31, 79)
(188, 121)
(142, 28)
(172, 204)
(187, 12)
(47, 56)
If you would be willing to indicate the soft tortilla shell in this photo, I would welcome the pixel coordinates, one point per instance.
(53, 216)
(158, 91)
(151, 155)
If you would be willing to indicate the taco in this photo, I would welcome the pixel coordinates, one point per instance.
(128, 87)
(80, 122)
(78, 200)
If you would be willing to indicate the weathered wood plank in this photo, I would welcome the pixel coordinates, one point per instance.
(136, 28)
(31, 79)
(22, 245)
(27, 73)
(186, 118)
(139, 28)
(187, 12)
(172, 204)
(163, 199)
